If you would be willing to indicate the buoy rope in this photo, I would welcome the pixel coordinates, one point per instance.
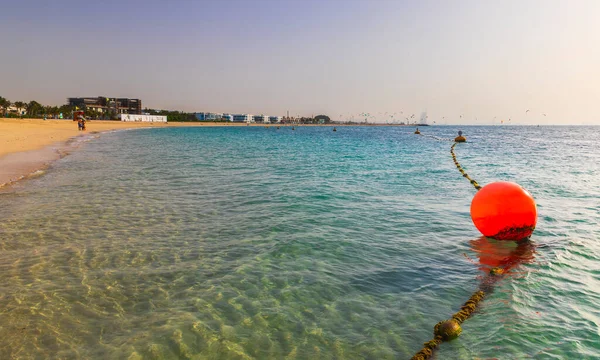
(463, 314)
(436, 137)
(462, 171)
(449, 329)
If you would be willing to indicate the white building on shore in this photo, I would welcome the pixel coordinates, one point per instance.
(260, 119)
(208, 116)
(247, 118)
(142, 118)
(239, 118)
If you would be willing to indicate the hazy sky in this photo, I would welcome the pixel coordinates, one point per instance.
(480, 59)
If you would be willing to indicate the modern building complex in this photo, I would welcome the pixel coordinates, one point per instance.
(142, 118)
(261, 119)
(247, 118)
(207, 116)
(103, 105)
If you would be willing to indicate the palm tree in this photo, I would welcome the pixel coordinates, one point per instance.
(47, 110)
(66, 110)
(34, 108)
(4, 104)
(54, 110)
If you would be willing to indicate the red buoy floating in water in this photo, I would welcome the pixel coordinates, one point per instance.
(504, 211)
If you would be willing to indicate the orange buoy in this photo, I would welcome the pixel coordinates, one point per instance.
(504, 211)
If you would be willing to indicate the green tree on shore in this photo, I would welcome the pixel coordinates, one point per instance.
(173, 115)
(66, 110)
(322, 119)
(4, 105)
(34, 108)
(50, 110)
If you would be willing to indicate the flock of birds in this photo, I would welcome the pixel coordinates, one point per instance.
(400, 117)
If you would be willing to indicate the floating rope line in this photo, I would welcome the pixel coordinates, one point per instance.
(462, 171)
(436, 137)
(450, 329)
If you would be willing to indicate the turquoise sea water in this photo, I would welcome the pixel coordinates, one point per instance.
(255, 243)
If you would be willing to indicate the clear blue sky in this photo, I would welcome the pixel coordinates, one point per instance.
(479, 59)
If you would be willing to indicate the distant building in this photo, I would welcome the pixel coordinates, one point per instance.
(261, 119)
(227, 117)
(103, 105)
(208, 116)
(15, 110)
(247, 118)
(274, 119)
(142, 118)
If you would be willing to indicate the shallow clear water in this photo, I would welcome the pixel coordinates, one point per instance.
(242, 243)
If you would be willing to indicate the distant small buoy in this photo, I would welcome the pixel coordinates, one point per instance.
(448, 330)
(503, 210)
(417, 131)
(460, 138)
(334, 129)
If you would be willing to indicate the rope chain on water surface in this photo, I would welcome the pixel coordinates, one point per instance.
(439, 333)
(436, 137)
(462, 171)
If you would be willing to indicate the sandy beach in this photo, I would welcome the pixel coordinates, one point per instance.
(18, 135)
(28, 145)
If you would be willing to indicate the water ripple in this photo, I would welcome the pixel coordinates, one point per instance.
(253, 243)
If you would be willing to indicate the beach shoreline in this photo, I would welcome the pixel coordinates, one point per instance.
(28, 146)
